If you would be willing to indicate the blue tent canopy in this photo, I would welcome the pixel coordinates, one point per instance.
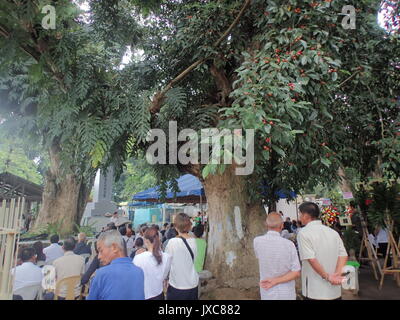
(143, 204)
(189, 186)
(190, 189)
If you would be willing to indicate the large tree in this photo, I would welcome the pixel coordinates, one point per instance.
(59, 85)
(287, 71)
(283, 69)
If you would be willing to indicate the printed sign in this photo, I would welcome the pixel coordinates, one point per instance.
(347, 195)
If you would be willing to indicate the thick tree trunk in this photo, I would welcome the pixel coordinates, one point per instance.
(234, 223)
(345, 184)
(64, 197)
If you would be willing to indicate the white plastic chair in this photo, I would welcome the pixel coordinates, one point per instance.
(30, 293)
(85, 256)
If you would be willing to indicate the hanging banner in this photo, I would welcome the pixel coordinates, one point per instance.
(326, 202)
(348, 195)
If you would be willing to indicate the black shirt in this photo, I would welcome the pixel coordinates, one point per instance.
(82, 248)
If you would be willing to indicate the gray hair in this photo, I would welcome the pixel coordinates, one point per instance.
(274, 220)
(110, 237)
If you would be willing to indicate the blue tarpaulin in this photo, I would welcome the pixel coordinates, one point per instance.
(143, 204)
(188, 185)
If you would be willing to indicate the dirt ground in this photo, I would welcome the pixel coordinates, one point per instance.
(369, 287)
(368, 290)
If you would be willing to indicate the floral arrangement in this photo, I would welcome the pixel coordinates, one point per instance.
(329, 215)
(349, 211)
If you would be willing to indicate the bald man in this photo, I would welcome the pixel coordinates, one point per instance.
(278, 261)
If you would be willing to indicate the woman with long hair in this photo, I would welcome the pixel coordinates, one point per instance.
(155, 265)
(183, 278)
(38, 246)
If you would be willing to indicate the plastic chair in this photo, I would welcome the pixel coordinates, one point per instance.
(30, 293)
(86, 287)
(85, 256)
(71, 283)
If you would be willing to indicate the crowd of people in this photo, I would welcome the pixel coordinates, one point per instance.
(154, 264)
(149, 264)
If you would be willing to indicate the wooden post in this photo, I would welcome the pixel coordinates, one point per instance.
(10, 222)
(393, 248)
(371, 257)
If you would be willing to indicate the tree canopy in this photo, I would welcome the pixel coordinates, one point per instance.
(319, 96)
(17, 159)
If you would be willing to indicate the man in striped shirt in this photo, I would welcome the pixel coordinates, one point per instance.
(278, 261)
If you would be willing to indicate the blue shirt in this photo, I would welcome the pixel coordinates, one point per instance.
(120, 280)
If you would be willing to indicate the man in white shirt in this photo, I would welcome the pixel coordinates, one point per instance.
(382, 241)
(69, 265)
(278, 262)
(27, 274)
(54, 250)
(322, 254)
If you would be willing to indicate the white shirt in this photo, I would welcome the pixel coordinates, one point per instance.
(154, 274)
(183, 275)
(372, 240)
(285, 234)
(53, 252)
(320, 242)
(130, 241)
(276, 256)
(382, 236)
(27, 274)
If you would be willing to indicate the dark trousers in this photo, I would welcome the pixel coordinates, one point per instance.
(382, 249)
(178, 294)
(159, 297)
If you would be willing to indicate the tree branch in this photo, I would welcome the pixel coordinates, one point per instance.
(223, 84)
(160, 96)
(4, 32)
(349, 78)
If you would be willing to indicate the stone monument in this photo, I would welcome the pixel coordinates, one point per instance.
(102, 199)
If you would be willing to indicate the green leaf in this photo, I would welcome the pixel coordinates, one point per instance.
(326, 162)
(279, 150)
(206, 171)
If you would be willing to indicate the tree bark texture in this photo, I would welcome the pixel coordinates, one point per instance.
(233, 224)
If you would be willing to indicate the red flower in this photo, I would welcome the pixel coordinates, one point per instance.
(368, 202)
